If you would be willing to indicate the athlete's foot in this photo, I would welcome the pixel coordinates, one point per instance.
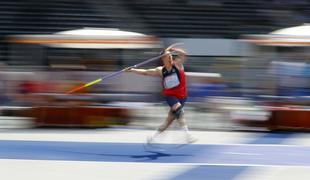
(149, 140)
(151, 146)
(190, 139)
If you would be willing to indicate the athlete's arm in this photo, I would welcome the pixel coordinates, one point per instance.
(148, 72)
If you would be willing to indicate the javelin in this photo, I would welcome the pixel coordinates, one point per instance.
(119, 72)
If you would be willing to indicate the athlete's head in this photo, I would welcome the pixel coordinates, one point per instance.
(167, 58)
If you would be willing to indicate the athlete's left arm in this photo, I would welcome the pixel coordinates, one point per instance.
(181, 56)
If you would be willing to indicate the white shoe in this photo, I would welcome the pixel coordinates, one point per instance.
(190, 139)
(150, 146)
(149, 140)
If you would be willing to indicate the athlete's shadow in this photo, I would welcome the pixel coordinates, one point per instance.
(146, 156)
(153, 155)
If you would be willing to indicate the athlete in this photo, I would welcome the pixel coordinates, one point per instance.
(174, 88)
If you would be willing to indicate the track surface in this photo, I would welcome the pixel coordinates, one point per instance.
(120, 153)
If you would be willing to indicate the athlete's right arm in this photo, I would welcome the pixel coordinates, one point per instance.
(148, 72)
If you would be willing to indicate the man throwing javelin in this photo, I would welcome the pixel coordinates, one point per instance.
(174, 88)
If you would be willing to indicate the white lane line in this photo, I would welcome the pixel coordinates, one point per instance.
(241, 153)
(166, 163)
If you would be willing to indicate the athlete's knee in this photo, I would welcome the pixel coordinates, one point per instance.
(176, 106)
(178, 112)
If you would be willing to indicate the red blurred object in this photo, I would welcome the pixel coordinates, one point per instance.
(80, 116)
(289, 119)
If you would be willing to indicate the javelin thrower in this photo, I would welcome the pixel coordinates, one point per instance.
(174, 88)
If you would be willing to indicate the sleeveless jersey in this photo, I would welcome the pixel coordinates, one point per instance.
(174, 82)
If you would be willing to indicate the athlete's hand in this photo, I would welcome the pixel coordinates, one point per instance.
(128, 69)
(173, 46)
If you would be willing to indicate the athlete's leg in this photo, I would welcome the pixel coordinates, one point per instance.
(163, 126)
(167, 123)
(182, 122)
(172, 115)
(179, 113)
(184, 127)
(170, 118)
(181, 119)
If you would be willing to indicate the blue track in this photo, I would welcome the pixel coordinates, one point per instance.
(227, 172)
(134, 152)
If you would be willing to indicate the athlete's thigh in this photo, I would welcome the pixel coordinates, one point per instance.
(183, 101)
(173, 102)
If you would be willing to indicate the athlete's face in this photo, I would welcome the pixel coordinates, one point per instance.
(167, 58)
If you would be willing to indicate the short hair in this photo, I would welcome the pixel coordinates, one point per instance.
(173, 54)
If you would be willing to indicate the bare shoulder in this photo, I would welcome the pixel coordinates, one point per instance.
(159, 70)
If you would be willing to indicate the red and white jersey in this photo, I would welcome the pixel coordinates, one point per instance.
(174, 82)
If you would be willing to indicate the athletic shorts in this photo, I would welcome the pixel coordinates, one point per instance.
(172, 100)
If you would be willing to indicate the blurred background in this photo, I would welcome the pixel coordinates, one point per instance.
(247, 68)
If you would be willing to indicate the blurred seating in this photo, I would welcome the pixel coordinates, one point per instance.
(216, 18)
(168, 18)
